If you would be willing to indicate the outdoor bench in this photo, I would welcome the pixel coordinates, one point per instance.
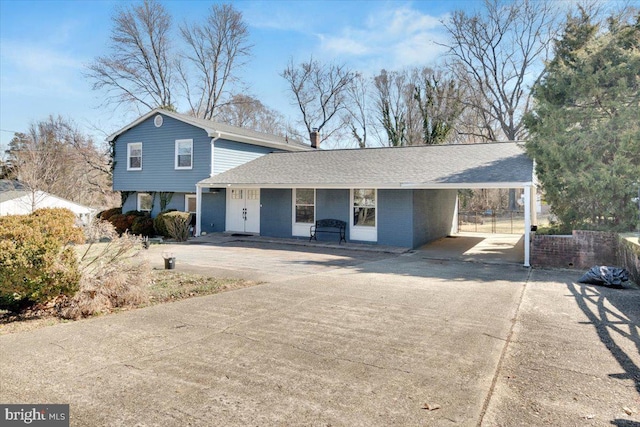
(329, 226)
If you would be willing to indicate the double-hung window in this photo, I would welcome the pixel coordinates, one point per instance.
(305, 205)
(304, 210)
(134, 156)
(184, 154)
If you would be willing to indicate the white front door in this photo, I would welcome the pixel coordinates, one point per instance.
(243, 210)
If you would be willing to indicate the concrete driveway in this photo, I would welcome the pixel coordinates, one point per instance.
(339, 338)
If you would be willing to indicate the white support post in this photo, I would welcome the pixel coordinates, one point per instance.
(198, 210)
(534, 205)
(454, 223)
(527, 225)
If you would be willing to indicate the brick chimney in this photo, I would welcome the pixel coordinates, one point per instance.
(314, 135)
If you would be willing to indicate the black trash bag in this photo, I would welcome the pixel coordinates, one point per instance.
(603, 275)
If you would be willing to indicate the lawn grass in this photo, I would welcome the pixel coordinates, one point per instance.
(166, 286)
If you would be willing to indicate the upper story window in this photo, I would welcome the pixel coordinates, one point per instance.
(145, 202)
(134, 156)
(184, 153)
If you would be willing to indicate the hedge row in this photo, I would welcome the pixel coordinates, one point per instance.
(140, 223)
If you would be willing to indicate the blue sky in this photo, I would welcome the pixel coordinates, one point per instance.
(46, 45)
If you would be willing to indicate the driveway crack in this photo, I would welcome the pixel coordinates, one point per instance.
(503, 354)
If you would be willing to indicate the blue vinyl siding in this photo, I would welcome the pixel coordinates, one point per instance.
(332, 204)
(230, 154)
(213, 211)
(433, 212)
(275, 212)
(158, 157)
(176, 202)
(131, 204)
(395, 217)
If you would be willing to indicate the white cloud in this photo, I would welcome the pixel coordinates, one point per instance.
(396, 37)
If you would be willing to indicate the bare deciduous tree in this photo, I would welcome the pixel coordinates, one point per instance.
(216, 49)
(248, 112)
(418, 106)
(357, 116)
(139, 69)
(498, 54)
(319, 91)
(54, 157)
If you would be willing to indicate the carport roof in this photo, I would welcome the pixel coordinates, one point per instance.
(500, 164)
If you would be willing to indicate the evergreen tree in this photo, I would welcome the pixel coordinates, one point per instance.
(585, 126)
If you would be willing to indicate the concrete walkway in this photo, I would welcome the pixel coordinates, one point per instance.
(344, 338)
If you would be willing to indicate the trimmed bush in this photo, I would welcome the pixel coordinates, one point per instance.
(178, 225)
(159, 224)
(124, 222)
(106, 214)
(121, 222)
(38, 262)
(136, 213)
(143, 226)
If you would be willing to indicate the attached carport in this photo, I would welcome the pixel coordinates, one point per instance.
(406, 172)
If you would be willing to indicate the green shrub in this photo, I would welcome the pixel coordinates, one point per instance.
(143, 226)
(37, 261)
(159, 225)
(106, 214)
(178, 225)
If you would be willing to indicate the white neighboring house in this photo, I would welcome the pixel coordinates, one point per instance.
(16, 199)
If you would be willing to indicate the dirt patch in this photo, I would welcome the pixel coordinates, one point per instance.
(166, 286)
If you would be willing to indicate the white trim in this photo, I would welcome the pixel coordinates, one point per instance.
(363, 233)
(186, 202)
(527, 225)
(198, 210)
(379, 186)
(138, 202)
(301, 228)
(213, 148)
(129, 147)
(212, 132)
(176, 145)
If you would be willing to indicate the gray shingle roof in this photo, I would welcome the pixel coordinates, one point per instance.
(459, 165)
(229, 132)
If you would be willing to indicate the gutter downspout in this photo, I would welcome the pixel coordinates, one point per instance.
(216, 137)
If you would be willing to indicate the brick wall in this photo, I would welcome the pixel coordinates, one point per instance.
(629, 257)
(580, 250)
